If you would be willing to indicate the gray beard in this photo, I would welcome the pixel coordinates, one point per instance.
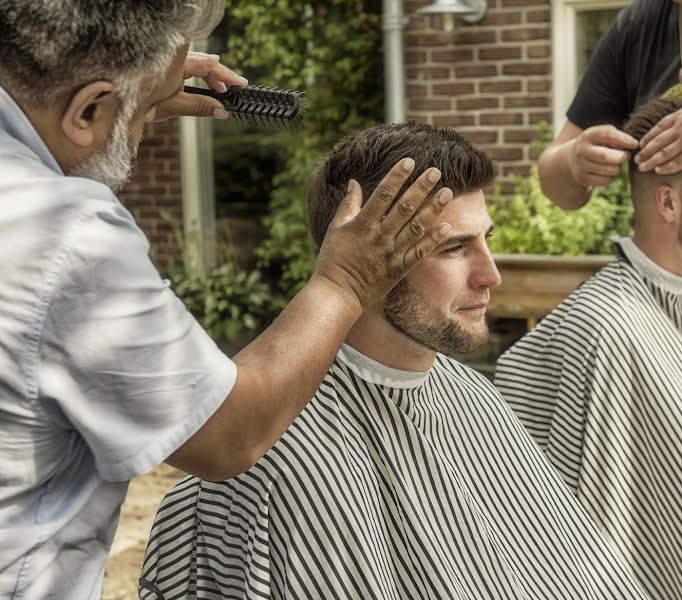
(413, 315)
(114, 165)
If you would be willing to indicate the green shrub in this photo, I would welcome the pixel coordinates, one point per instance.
(527, 222)
(226, 300)
(332, 50)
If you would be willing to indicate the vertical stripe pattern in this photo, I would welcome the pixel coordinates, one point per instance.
(599, 385)
(428, 491)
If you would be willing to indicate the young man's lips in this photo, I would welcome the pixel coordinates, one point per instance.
(475, 307)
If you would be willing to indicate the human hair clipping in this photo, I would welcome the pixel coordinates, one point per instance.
(259, 106)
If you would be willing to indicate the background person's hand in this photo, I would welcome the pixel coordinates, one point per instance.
(216, 75)
(367, 250)
(598, 153)
(661, 147)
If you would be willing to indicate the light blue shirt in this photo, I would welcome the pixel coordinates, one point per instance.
(103, 373)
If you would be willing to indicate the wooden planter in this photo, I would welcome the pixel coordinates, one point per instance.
(534, 284)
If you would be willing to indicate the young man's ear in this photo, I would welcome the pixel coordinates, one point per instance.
(90, 116)
(668, 203)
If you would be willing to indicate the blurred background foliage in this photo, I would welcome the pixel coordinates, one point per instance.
(333, 51)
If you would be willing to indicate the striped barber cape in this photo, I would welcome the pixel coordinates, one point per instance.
(599, 386)
(389, 485)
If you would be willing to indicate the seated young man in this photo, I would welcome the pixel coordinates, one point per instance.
(599, 382)
(407, 476)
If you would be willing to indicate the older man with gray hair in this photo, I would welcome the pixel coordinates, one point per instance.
(103, 373)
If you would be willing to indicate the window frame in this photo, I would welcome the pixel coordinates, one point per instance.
(565, 52)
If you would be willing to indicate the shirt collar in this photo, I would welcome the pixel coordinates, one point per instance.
(374, 372)
(648, 268)
(15, 123)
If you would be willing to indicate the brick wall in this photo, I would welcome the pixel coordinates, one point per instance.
(156, 187)
(491, 80)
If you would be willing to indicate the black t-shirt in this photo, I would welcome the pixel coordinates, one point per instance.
(637, 59)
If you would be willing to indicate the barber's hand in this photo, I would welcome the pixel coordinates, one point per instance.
(661, 148)
(217, 76)
(598, 153)
(367, 250)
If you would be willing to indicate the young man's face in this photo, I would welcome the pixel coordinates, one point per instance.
(441, 304)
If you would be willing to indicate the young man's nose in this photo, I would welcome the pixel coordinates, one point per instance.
(486, 273)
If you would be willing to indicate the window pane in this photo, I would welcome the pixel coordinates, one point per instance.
(591, 25)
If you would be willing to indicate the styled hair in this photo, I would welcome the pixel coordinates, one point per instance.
(53, 47)
(370, 154)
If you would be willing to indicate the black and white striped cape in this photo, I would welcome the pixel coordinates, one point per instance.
(389, 485)
(599, 385)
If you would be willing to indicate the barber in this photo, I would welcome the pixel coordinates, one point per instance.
(638, 58)
(103, 372)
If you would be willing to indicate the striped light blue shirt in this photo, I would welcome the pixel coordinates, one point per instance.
(103, 373)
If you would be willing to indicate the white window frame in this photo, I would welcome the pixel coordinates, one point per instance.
(565, 52)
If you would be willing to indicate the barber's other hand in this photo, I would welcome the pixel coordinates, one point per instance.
(217, 76)
(661, 148)
(598, 153)
(367, 250)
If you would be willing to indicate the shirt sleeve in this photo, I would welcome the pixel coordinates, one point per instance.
(601, 98)
(121, 359)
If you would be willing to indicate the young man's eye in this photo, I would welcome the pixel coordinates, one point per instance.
(453, 249)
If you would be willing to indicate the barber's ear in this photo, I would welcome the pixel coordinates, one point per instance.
(91, 114)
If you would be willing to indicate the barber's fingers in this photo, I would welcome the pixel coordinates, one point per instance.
(384, 194)
(426, 245)
(350, 206)
(209, 68)
(600, 155)
(609, 136)
(671, 167)
(424, 219)
(183, 104)
(671, 121)
(402, 214)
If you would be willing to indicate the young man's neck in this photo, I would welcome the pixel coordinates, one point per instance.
(662, 246)
(374, 337)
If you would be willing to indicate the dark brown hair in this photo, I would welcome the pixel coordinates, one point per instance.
(370, 154)
(647, 116)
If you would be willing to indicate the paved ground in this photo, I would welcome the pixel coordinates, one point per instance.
(144, 496)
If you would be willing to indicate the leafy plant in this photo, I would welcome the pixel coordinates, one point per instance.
(225, 299)
(529, 223)
(313, 46)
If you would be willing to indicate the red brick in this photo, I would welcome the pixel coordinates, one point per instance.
(430, 104)
(499, 53)
(505, 118)
(538, 16)
(505, 153)
(539, 85)
(520, 135)
(453, 89)
(502, 18)
(499, 86)
(453, 120)
(476, 71)
(525, 34)
(526, 101)
(414, 90)
(415, 57)
(452, 55)
(428, 73)
(542, 51)
(477, 103)
(538, 117)
(541, 68)
(480, 136)
(475, 36)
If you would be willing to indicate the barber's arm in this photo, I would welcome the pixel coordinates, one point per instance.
(580, 160)
(365, 252)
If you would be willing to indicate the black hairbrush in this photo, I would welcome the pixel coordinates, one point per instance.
(258, 105)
